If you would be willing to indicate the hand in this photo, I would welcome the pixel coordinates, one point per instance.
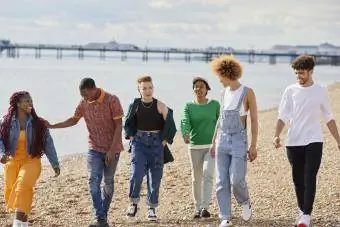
(186, 139)
(277, 142)
(56, 171)
(212, 151)
(252, 153)
(131, 138)
(46, 123)
(109, 158)
(4, 159)
(164, 143)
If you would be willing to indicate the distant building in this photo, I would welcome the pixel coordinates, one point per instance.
(113, 45)
(324, 48)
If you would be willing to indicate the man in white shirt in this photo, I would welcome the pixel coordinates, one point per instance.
(301, 105)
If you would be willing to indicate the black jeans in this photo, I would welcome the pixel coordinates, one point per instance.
(305, 162)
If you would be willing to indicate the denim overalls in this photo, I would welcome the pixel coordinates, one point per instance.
(231, 159)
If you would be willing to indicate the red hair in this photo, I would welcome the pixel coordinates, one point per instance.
(38, 129)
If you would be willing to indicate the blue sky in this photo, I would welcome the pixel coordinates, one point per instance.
(172, 23)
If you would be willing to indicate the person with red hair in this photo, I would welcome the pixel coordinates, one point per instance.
(24, 139)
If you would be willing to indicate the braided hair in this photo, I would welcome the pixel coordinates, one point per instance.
(39, 129)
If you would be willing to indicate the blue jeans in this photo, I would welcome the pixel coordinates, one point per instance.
(147, 158)
(101, 198)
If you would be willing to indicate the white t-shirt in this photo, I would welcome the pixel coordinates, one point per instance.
(303, 107)
(231, 99)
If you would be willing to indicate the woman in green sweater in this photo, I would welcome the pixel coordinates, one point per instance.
(197, 126)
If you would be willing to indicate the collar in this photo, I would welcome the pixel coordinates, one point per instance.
(100, 99)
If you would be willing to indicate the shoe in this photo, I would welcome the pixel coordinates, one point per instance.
(98, 222)
(197, 214)
(132, 210)
(298, 217)
(226, 223)
(17, 223)
(205, 213)
(24, 224)
(246, 212)
(152, 214)
(304, 221)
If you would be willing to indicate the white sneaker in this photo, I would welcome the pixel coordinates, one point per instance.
(226, 223)
(24, 224)
(304, 221)
(17, 223)
(300, 213)
(152, 214)
(246, 212)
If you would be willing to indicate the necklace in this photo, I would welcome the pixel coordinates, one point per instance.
(149, 104)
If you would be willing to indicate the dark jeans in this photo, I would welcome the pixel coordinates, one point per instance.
(101, 198)
(305, 162)
(147, 158)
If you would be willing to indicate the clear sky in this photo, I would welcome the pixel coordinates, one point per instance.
(173, 23)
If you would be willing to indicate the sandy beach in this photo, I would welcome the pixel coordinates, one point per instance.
(65, 201)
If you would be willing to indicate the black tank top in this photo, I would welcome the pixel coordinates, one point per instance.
(148, 117)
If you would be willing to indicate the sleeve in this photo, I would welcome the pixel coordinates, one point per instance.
(2, 145)
(185, 121)
(79, 113)
(285, 107)
(116, 108)
(50, 151)
(326, 107)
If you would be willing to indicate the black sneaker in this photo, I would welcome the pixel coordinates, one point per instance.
(99, 223)
(132, 210)
(197, 214)
(205, 213)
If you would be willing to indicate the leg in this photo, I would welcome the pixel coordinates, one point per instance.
(21, 197)
(108, 188)
(138, 162)
(312, 164)
(208, 175)
(95, 167)
(296, 157)
(155, 163)
(196, 160)
(11, 172)
(238, 171)
(223, 192)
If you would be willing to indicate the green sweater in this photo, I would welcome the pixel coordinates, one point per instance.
(199, 121)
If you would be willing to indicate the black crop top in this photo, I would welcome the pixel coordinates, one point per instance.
(148, 117)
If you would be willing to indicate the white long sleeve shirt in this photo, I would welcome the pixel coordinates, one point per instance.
(302, 107)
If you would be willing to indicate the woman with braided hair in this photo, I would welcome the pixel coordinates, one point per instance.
(23, 140)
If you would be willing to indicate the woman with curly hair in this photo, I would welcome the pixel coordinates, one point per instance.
(23, 141)
(230, 142)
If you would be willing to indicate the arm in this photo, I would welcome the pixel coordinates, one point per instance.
(117, 115)
(79, 113)
(253, 117)
(251, 100)
(328, 116)
(162, 109)
(51, 153)
(65, 124)
(185, 124)
(3, 156)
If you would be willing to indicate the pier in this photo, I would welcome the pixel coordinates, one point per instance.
(12, 50)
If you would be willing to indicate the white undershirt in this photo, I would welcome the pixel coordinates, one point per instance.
(231, 99)
(303, 107)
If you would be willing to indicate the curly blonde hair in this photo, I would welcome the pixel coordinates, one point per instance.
(227, 66)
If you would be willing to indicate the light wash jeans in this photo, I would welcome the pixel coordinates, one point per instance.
(101, 198)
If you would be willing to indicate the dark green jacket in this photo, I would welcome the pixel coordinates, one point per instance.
(168, 133)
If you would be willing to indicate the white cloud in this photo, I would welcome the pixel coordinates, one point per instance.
(178, 23)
